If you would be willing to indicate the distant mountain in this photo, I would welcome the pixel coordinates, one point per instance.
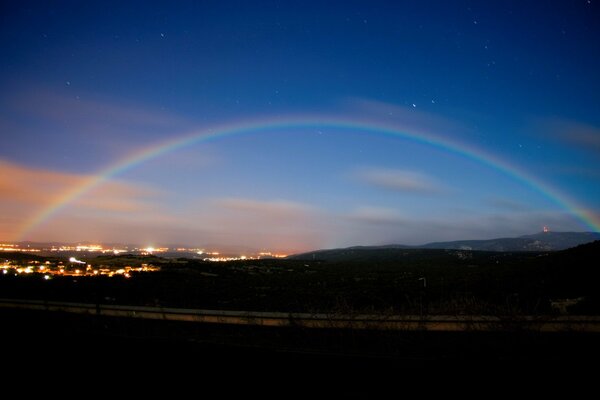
(357, 254)
(543, 241)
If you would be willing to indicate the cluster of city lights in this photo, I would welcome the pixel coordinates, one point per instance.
(15, 247)
(148, 250)
(92, 248)
(243, 257)
(73, 268)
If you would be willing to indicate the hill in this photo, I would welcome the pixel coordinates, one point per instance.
(542, 241)
(539, 242)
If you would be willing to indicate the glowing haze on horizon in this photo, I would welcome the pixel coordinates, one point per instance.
(85, 86)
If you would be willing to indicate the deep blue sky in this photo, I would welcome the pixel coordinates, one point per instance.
(83, 84)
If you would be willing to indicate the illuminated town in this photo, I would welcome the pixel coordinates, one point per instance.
(76, 267)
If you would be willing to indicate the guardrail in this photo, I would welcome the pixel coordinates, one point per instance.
(454, 323)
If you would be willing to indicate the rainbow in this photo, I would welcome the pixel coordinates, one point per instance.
(319, 122)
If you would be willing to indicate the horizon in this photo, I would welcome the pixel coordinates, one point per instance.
(207, 249)
(295, 128)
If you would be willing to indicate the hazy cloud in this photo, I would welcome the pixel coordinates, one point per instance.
(43, 187)
(84, 122)
(87, 111)
(273, 208)
(408, 117)
(573, 133)
(129, 228)
(376, 215)
(25, 191)
(28, 185)
(579, 171)
(277, 224)
(398, 180)
(507, 204)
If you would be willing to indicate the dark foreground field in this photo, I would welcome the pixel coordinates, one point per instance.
(44, 338)
(116, 354)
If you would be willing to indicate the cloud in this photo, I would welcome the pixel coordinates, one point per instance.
(26, 191)
(28, 185)
(276, 224)
(277, 208)
(83, 110)
(577, 134)
(274, 216)
(507, 204)
(376, 215)
(21, 184)
(120, 197)
(579, 171)
(108, 126)
(118, 211)
(409, 118)
(398, 180)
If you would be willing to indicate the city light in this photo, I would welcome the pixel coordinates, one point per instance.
(74, 266)
(148, 250)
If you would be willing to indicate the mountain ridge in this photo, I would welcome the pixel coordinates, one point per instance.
(541, 241)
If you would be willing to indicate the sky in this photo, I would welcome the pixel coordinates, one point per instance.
(291, 126)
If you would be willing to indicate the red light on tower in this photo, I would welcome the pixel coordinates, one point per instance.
(546, 229)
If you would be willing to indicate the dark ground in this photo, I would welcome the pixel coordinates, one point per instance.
(296, 359)
(388, 281)
(103, 353)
